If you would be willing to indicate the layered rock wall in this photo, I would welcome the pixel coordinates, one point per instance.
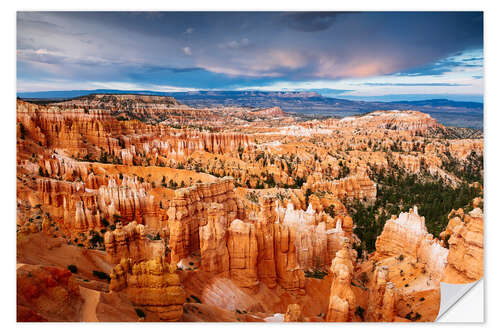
(382, 298)
(213, 241)
(342, 302)
(466, 243)
(189, 209)
(125, 242)
(151, 284)
(290, 275)
(358, 186)
(407, 235)
(243, 250)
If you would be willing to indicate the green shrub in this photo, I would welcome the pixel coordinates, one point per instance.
(315, 274)
(104, 222)
(101, 275)
(73, 269)
(360, 312)
(196, 299)
(140, 313)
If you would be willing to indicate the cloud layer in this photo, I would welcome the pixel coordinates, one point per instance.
(235, 50)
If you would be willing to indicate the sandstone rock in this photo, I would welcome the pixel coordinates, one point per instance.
(342, 298)
(213, 241)
(395, 120)
(266, 262)
(381, 302)
(293, 313)
(243, 251)
(47, 294)
(188, 210)
(358, 186)
(151, 284)
(407, 236)
(466, 243)
(125, 242)
(290, 276)
(338, 309)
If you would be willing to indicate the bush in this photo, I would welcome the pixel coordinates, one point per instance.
(315, 274)
(360, 312)
(73, 269)
(196, 299)
(415, 317)
(140, 313)
(101, 275)
(104, 222)
(96, 240)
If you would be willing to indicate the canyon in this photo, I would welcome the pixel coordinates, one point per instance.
(140, 208)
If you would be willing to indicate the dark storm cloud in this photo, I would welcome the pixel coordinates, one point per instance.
(310, 21)
(219, 49)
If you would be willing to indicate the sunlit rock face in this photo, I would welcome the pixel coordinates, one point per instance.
(395, 119)
(251, 205)
(82, 131)
(243, 251)
(266, 261)
(466, 243)
(358, 186)
(342, 303)
(289, 274)
(293, 313)
(125, 242)
(382, 298)
(189, 209)
(152, 284)
(82, 209)
(407, 235)
(47, 293)
(213, 241)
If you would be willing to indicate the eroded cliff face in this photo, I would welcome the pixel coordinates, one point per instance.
(266, 260)
(125, 242)
(248, 207)
(382, 298)
(407, 235)
(243, 250)
(96, 134)
(293, 313)
(465, 238)
(342, 305)
(290, 275)
(189, 209)
(356, 187)
(47, 294)
(151, 284)
(213, 241)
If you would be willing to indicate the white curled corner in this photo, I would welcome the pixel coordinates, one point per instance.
(452, 294)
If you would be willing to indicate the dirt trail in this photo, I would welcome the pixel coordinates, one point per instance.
(90, 301)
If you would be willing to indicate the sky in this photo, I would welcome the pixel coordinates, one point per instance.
(352, 55)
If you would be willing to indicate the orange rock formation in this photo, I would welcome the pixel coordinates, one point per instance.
(151, 284)
(466, 243)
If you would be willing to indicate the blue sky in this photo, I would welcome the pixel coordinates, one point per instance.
(353, 55)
